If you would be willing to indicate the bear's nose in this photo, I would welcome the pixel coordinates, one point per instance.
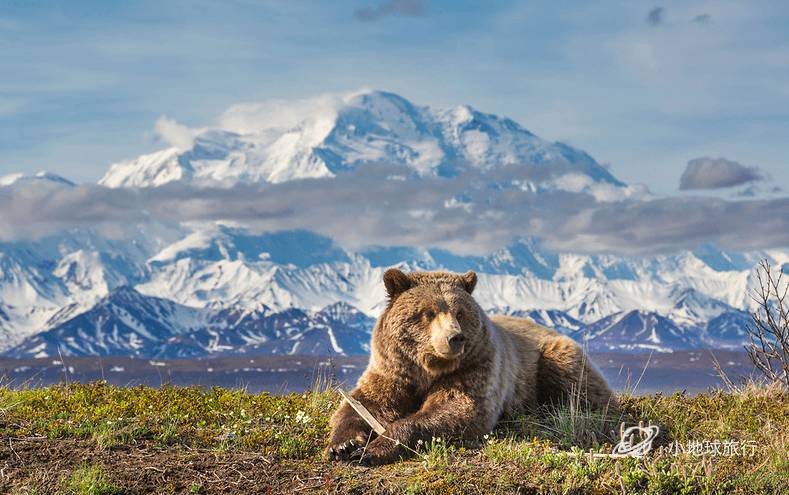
(456, 341)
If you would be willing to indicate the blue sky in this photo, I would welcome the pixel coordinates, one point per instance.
(644, 86)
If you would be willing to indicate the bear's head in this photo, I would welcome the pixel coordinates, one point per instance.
(431, 318)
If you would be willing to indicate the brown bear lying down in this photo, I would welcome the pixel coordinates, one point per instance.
(440, 367)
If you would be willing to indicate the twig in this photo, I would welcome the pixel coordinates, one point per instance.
(722, 374)
(768, 349)
(646, 365)
(11, 446)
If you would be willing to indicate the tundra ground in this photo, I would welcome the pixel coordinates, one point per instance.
(102, 439)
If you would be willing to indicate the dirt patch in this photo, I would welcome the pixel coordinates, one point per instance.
(41, 465)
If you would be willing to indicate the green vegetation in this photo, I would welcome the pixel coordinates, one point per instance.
(99, 439)
(88, 479)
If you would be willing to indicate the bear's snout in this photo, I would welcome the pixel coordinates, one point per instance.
(446, 336)
(456, 342)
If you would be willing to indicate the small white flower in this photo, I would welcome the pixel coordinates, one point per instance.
(302, 417)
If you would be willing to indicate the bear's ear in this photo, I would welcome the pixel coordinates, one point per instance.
(469, 281)
(396, 282)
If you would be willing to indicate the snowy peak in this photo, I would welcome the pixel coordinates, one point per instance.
(692, 308)
(639, 330)
(299, 248)
(326, 136)
(729, 330)
(551, 318)
(38, 178)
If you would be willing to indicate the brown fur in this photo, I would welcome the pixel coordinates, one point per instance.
(419, 386)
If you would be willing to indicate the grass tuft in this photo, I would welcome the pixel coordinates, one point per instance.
(89, 479)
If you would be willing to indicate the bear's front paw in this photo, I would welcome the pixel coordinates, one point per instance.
(379, 451)
(343, 451)
(344, 443)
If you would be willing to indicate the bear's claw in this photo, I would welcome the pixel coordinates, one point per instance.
(343, 451)
(379, 451)
(358, 455)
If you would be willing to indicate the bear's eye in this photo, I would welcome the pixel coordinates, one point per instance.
(429, 314)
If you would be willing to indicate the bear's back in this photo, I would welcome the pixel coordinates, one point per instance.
(529, 336)
(517, 347)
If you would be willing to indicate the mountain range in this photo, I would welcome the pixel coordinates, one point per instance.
(196, 289)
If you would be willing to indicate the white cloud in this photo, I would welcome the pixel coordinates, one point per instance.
(175, 134)
(415, 213)
(602, 192)
(251, 118)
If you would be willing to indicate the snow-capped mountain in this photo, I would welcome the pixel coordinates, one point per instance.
(127, 323)
(327, 137)
(728, 331)
(46, 281)
(551, 318)
(203, 288)
(38, 178)
(639, 330)
(123, 323)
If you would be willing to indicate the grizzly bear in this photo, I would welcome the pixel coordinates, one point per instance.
(440, 367)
